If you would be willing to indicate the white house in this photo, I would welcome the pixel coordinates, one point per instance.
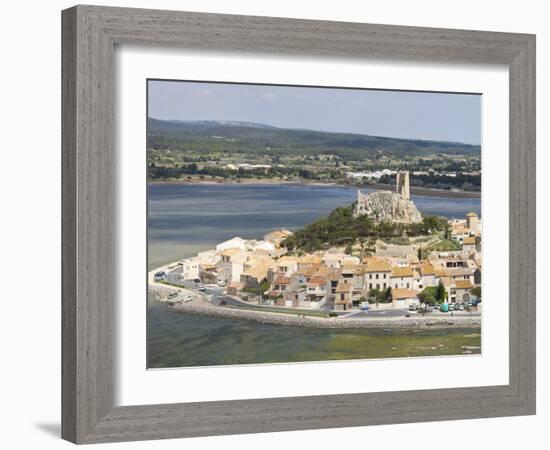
(191, 268)
(402, 278)
(235, 242)
(268, 247)
(403, 298)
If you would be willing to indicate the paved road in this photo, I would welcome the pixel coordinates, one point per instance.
(217, 295)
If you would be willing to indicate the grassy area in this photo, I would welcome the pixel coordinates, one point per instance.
(444, 245)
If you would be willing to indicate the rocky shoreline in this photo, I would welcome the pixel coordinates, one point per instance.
(202, 307)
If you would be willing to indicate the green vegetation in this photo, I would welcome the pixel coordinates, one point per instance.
(264, 286)
(211, 150)
(340, 228)
(476, 291)
(379, 296)
(263, 139)
(445, 245)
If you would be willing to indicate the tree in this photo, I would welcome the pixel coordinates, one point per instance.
(441, 293)
(476, 291)
(427, 299)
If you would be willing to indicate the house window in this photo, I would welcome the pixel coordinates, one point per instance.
(407, 285)
(370, 276)
(341, 296)
(384, 285)
(377, 276)
(370, 285)
(377, 286)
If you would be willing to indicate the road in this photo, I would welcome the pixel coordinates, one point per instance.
(217, 295)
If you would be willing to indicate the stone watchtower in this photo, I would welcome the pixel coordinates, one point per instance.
(402, 184)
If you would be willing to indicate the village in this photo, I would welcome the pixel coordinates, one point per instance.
(404, 278)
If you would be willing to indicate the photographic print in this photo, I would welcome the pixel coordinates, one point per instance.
(293, 224)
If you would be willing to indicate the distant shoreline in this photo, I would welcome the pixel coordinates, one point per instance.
(415, 190)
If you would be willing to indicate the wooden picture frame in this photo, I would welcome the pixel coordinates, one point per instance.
(90, 34)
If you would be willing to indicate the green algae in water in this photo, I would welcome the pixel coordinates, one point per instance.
(183, 340)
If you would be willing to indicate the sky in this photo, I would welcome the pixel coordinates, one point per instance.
(400, 114)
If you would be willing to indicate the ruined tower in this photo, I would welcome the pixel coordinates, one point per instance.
(402, 184)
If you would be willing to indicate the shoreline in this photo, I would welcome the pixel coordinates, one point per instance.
(201, 307)
(415, 190)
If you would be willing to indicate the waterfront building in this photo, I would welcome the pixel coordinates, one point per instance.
(377, 274)
(236, 242)
(403, 298)
(402, 278)
(343, 296)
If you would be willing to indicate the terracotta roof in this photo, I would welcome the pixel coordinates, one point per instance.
(285, 261)
(470, 240)
(447, 281)
(463, 284)
(378, 266)
(401, 271)
(460, 271)
(317, 280)
(230, 251)
(471, 214)
(427, 268)
(343, 287)
(258, 271)
(281, 280)
(440, 272)
(309, 259)
(308, 270)
(403, 293)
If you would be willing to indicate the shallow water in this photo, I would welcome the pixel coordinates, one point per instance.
(177, 340)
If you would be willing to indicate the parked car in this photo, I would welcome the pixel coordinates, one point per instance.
(201, 288)
(173, 294)
(221, 283)
(160, 276)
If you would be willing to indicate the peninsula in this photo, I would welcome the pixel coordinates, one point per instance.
(375, 263)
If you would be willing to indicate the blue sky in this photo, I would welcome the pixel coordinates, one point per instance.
(415, 115)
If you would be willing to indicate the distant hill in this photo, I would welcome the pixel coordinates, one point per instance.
(247, 137)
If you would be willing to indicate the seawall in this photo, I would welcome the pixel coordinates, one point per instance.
(201, 307)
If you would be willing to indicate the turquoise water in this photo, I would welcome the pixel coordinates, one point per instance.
(185, 219)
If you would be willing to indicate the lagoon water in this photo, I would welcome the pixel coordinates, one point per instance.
(184, 219)
(187, 218)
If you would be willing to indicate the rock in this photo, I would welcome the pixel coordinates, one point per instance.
(386, 206)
